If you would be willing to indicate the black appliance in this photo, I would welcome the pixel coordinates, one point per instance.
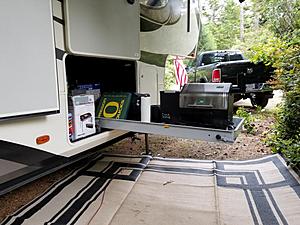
(169, 106)
(199, 104)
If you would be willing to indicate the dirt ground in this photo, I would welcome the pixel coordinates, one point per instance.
(14, 200)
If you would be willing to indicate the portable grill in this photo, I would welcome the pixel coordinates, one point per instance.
(199, 104)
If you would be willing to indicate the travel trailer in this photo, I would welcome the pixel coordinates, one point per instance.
(52, 51)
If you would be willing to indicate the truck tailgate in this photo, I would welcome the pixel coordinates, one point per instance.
(243, 72)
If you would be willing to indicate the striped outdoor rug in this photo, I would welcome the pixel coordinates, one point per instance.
(128, 190)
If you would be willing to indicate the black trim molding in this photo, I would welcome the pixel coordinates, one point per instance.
(30, 115)
(58, 20)
(59, 53)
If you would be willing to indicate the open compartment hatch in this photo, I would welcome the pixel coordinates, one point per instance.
(88, 78)
(92, 29)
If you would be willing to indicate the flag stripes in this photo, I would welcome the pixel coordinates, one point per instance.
(180, 72)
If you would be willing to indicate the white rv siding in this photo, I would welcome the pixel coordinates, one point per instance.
(173, 39)
(151, 81)
(27, 60)
(103, 28)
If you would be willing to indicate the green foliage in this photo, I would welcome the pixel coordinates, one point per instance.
(271, 35)
(169, 78)
(281, 54)
(222, 30)
(290, 148)
(284, 56)
(282, 51)
(207, 41)
(286, 137)
(249, 119)
(253, 37)
(280, 16)
(226, 27)
(289, 116)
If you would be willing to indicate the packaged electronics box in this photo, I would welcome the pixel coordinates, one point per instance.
(83, 110)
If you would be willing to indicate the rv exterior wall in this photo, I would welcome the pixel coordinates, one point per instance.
(170, 36)
(151, 80)
(27, 63)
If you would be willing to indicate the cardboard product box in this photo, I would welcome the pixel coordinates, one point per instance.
(95, 93)
(80, 91)
(75, 92)
(83, 111)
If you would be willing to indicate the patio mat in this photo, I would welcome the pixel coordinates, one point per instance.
(128, 190)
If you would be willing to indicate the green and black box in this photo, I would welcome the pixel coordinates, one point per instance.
(114, 105)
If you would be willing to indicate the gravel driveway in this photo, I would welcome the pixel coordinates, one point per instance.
(273, 102)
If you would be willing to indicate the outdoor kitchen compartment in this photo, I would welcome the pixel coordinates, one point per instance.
(205, 113)
(199, 104)
(207, 105)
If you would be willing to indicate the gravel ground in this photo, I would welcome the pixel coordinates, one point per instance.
(247, 146)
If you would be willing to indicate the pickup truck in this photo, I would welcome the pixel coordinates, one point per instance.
(230, 66)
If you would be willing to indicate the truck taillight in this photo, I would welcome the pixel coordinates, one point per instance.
(216, 76)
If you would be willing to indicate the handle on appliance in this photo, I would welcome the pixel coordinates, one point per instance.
(203, 106)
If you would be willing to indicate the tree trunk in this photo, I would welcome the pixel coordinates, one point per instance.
(242, 30)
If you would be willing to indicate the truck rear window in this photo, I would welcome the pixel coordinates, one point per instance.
(220, 57)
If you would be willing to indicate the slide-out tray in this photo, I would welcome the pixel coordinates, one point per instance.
(189, 132)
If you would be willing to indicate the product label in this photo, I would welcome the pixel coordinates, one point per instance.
(114, 106)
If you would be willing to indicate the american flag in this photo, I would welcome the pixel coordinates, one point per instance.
(180, 72)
